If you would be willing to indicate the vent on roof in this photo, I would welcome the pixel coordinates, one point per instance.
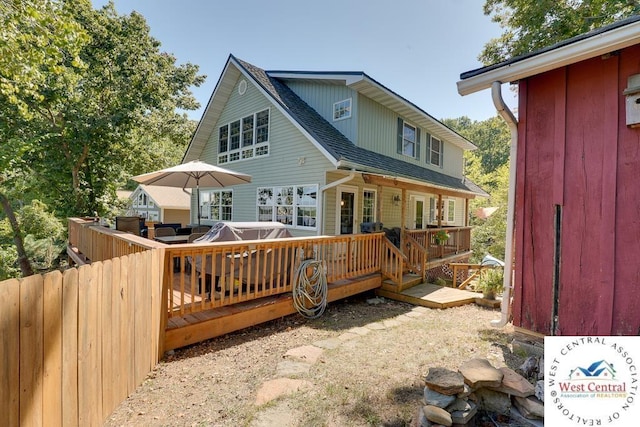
(242, 87)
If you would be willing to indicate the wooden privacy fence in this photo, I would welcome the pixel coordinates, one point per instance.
(74, 345)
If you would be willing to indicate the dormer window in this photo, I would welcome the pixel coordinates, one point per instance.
(342, 110)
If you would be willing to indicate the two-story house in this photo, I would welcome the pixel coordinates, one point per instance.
(329, 151)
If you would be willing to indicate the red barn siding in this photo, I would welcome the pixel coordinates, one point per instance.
(626, 306)
(576, 151)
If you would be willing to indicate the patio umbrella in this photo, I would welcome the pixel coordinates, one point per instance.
(193, 175)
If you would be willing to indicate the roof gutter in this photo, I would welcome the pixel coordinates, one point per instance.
(507, 115)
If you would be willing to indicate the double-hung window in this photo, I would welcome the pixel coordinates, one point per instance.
(434, 155)
(408, 139)
(294, 206)
(245, 138)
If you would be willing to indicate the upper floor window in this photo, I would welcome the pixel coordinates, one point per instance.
(409, 140)
(435, 152)
(342, 109)
(294, 206)
(244, 138)
(216, 205)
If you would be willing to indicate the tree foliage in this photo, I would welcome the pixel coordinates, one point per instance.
(488, 166)
(532, 25)
(87, 98)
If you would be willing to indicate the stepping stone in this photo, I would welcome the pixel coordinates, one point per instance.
(306, 353)
(391, 323)
(290, 368)
(359, 330)
(328, 344)
(377, 326)
(273, 389)
(347, 336)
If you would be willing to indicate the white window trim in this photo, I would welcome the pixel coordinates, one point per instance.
(440, 154)
(375, 203)
(242, 152)
(207, 204)
(295, 206)
(348, 107)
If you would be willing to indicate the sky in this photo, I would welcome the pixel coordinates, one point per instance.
(416, 48)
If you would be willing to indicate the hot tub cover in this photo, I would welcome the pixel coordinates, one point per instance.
(236, 231)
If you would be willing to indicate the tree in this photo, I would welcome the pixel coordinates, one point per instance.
(532, 25)
(78, 88)
(39, 41)
(488, 166)
(91, 124)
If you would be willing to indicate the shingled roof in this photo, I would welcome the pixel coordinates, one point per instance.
(348, 155)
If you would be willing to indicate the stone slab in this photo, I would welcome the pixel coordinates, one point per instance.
(273, 389)
(444, 381)
(480, 373)
(514, 384)
(305, 353)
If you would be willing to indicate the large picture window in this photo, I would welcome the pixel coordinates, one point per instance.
(294, 206)
(216, 205)
(244, 139)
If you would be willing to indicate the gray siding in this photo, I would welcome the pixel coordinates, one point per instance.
(378, 131)
(321, 98)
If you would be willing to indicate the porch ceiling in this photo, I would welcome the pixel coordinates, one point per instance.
(408, 184)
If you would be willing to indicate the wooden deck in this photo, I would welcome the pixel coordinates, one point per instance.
(202, 325)
(432, 296)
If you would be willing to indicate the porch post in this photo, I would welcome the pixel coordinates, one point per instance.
(403, 220)
(440, 209)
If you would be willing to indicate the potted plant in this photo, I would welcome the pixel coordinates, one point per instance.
(491, 283)
(441, 237)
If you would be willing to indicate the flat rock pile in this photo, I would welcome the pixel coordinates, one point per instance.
(454, 398)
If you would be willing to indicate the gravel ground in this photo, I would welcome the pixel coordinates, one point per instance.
(374, 355)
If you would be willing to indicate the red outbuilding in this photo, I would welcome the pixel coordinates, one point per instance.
(575, 194)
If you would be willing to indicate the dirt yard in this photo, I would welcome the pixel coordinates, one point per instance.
(361, 364)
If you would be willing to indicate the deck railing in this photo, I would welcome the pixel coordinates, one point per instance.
(459, 241)
(202, 276)
(99, 243)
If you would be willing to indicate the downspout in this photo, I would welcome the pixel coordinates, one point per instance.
(507, 115)
(333, 184)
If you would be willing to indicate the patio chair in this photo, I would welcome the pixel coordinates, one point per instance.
(200, 229)
(194, 236)
(165, 231)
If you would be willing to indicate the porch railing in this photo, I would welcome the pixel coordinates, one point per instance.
(459, 241)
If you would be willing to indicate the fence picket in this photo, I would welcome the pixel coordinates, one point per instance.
(10, 353)
(31, 350)
(70, 347)
(52, 381)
